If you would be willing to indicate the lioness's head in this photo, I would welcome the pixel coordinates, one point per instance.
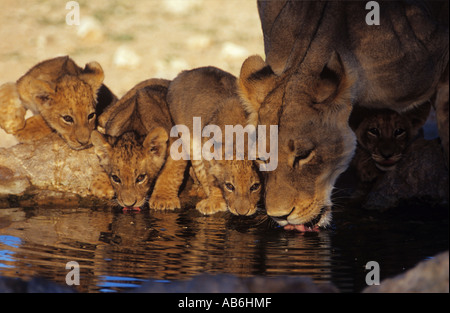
(240, 183)
(68, 105)
(315, 143)
(385, 134)
(132, 163)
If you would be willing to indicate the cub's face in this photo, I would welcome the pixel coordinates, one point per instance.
(71, 112)
(68, 104)
(385, 136)
(240, 183)
(131, 164)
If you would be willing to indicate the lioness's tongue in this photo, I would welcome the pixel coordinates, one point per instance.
(302, 228)
(128, 209)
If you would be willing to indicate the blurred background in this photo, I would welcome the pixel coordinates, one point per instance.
(132, 40)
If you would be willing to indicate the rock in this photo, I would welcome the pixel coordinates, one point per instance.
(227, 283)
(198, 42)
(233, 51)
(7, 140)
(90, 29)
(428, 276)
(11, 183)
(125, 57)
(50, 164)
(169, 69)
(179, 7)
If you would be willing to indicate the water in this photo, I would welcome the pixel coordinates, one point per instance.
(118, 251)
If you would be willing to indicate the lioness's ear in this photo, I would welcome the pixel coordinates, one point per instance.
(156, 141)
(256, 80)
(93, 75)
(101, 147)
(42, 91)
(334, 83)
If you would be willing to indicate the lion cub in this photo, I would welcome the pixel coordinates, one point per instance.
(134, 151)
(132, 163)
(211, 94)
(63, 98)
(383, 138)
(240, 183)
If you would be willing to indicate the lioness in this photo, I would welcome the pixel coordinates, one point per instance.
(383, 136)
(321, 57)
(212, 95)
(133, 164)
(64, 98)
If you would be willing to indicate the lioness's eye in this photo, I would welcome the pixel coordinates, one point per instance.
(91, 116)
(398, 132)
(229, 186)
(255, 187)
(140, 178)
(68, 119)
(374, 131)
(116, 179)
(303, 158)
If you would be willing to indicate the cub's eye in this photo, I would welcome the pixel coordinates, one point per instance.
(140, 178)
(399, 131)
(91, 116)
(116, 179)
(255, 187)
(68, 119)
(374, 132)
(229, 186)
(303, 158)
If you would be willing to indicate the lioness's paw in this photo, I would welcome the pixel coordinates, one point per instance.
(211, 205)
(164, 202)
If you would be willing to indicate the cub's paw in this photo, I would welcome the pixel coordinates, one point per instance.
(12, 113)
(164, 202)
(101, 188)
(211, 205)
(35, 128)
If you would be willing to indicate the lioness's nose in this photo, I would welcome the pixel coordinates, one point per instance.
(129, 204)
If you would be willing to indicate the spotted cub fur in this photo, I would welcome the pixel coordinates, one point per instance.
(63, 98)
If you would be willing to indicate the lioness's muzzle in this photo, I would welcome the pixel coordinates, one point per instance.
(283, 220)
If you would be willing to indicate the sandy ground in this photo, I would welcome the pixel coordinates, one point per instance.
(132, 40)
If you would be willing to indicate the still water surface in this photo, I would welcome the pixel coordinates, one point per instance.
(118, 251)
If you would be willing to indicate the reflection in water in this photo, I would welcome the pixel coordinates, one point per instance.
(119, 251)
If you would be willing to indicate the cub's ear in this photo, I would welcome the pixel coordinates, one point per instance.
(93, 75)
(255, 82)
(42, 91)
(102, 148)
(358, 115)
(156, 141)
(334, 83)
(418, 116)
